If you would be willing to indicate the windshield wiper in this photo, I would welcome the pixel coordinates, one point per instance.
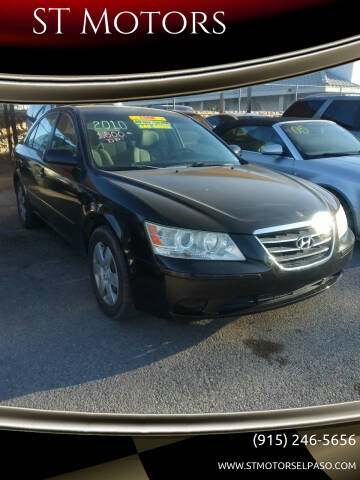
(210, 164)
(355, 152)
(335, 154)
(129, 167)
(206, 164)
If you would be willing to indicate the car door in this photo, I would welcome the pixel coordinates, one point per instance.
(30, 163)
(252, 138)
(64, 192)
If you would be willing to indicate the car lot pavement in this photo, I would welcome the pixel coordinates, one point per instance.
(58, 350)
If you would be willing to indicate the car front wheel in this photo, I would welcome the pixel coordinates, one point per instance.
(109, 273)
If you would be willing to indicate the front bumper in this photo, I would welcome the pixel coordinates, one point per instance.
(209, 289)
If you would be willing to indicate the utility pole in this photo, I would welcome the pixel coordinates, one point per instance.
(7, 126)
(248, 104)
(239, 100)
(222, 102)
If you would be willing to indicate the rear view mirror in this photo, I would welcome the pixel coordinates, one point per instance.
(236, 149)
(274, 149)
(60, 156)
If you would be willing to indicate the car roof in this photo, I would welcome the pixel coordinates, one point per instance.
(133, 110)
(261, 121)
(232, 115)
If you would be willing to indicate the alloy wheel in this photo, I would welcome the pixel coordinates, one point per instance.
(105, 273)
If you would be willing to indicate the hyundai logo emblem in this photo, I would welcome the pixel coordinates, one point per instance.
(304, 242)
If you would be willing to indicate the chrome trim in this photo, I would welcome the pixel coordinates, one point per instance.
(322, 241)
(292, 226)
(292, 239)
(105, 88)
(288, 259)
(284, 250)
(39, 89)
(280, 228)
(14, 418)
(297, 249)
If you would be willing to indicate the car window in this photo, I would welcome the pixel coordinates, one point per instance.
(344, 112)
(119, 140)
(317, 138)
(214, 120)
(44, 128)
(65, 134)
(252, 137)
(304, 108)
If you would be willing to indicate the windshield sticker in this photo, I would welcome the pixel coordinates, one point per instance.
(147, 121)
(109, 125)
(299, 130)
(111, 136)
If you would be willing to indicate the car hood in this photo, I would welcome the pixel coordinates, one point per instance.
(239, 200)
(350, 163)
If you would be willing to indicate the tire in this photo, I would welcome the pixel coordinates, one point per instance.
(27, 217)
(109, 274)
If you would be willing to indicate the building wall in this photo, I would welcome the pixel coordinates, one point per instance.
(259, 103)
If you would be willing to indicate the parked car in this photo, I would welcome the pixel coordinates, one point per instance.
(171, 219)
(34, 112)
(316, 150)
(342, 109)
(221, 118)
(177, 108)
(199, 118)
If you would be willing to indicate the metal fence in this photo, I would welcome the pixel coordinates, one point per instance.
(268, 98)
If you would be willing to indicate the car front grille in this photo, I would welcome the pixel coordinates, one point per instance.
(296, 246)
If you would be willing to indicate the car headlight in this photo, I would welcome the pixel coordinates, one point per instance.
(341, 222)
(192, 244)
(323, 222)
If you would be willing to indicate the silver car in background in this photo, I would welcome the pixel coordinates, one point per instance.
(317, 150)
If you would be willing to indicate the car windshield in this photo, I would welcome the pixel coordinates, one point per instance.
(122, 140)
(315, 139)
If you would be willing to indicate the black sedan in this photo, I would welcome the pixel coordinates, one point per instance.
(170, 218)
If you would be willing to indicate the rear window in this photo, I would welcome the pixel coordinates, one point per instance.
(344, 112)
(303, 108)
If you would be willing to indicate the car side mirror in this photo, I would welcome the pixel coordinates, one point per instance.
(60, 156)
(274, 149)
(236, 149)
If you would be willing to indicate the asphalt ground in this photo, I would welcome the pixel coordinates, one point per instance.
(59, 351)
